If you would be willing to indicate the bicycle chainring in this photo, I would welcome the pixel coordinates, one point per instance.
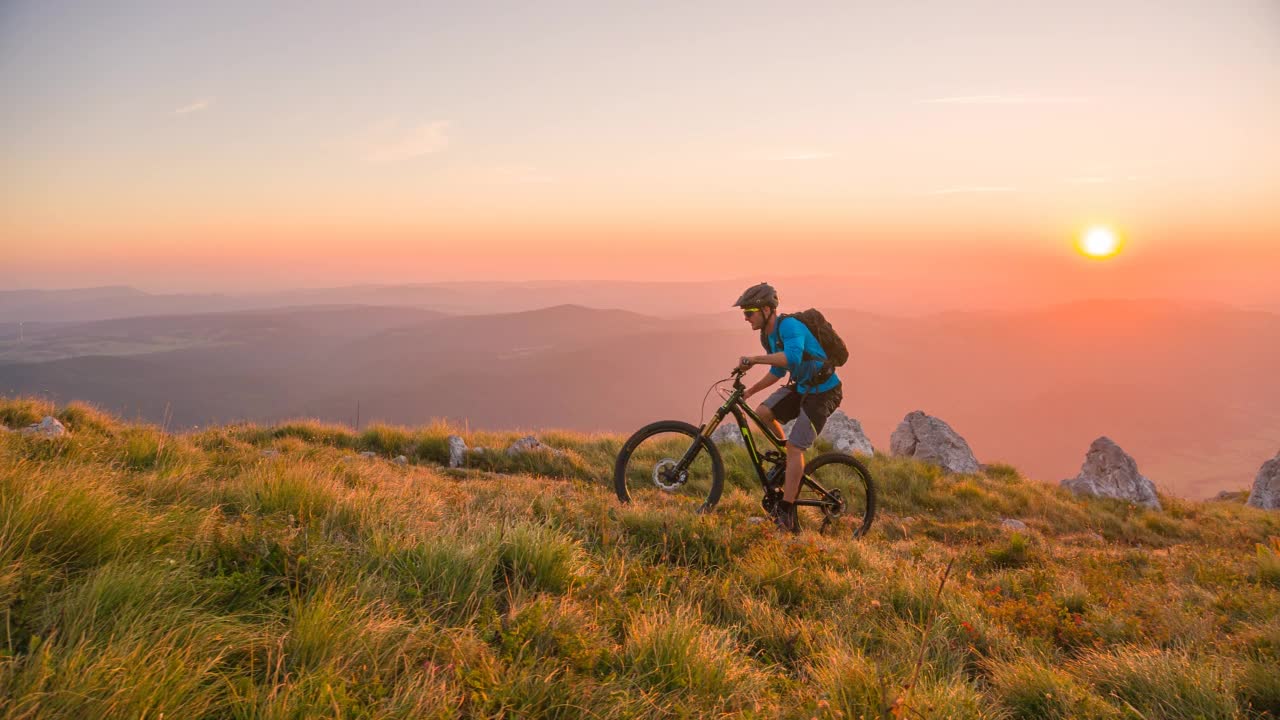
(772, 496)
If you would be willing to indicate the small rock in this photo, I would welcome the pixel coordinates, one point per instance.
(401, 460)
(907, 519)
(928, 438)
(368, 454)
(457, 451)
(529, 443)
(270, 453)
(49, 427)
(1266, 486)
(1109, 471)
(755, 520)
(1012, 524)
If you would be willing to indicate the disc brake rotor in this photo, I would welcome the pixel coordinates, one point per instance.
(664, 476)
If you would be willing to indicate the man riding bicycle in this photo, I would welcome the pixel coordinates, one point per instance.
(812, 394)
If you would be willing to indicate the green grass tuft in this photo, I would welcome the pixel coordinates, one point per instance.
(1161, 683)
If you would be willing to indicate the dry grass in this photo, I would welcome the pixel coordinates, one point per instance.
(143, 572)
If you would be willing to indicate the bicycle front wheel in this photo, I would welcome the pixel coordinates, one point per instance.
(672, 458)
(846, 481)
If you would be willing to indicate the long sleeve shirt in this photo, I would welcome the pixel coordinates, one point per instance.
(804, 355)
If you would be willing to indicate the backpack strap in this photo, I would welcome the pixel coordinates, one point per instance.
(806, 355)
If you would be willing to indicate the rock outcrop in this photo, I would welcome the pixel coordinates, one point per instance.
(1108, 471)
(49, 427)
(457, 451)
(845, 434)
(529, 443)
(727, 434)
(931, 440)
(1266, 486)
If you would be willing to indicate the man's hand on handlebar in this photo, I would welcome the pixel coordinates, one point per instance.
(744, 363)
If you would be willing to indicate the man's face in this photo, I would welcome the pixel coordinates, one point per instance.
(754, 316)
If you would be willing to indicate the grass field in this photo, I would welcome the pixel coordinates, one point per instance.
(144, 574)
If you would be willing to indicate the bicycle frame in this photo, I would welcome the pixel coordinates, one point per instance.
(737, 406)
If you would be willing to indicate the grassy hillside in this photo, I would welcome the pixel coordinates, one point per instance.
(144, 574)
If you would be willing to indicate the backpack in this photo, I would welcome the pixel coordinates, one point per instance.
(828, 338)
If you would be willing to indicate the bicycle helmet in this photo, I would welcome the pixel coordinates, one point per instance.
(762, 295)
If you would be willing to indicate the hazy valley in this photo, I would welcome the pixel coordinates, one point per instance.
(1190, 391)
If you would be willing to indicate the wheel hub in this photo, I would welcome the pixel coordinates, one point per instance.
(666, 477)
(833, 511)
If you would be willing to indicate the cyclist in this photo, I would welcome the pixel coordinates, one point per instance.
(809, 397)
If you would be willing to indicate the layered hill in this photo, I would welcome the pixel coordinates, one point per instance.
(1189, 391)
(274, 571)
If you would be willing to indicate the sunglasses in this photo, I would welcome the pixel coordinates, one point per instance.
(748, 312)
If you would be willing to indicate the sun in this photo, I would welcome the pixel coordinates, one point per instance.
(1099, 242)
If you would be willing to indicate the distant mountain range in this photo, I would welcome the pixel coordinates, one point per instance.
(655, 298)
(1191, 392)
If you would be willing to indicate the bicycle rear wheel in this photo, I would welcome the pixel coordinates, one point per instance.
(846, 479)
(649, 464)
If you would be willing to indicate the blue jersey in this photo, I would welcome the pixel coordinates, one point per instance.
(804, 355)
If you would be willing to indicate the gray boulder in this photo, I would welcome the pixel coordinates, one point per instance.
(457, 451)
(845, 434)
(1108, 471)
(1013, 524)
(1266, 486)
(727, 434)
(401, 460)
(49, 427)
(529, 443)
(368, 454)
(928, 438)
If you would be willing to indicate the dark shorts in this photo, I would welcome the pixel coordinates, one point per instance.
(809, 411)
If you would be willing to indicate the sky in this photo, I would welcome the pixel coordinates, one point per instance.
(963, 146)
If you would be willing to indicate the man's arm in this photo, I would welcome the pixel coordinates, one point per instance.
(765, 382)
(778, 359)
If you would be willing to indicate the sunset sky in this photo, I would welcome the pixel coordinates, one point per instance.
(241, 146)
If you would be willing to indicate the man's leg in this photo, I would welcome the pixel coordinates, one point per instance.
(814, 411)
(795, 471)
(766, 416)
(803, 433)
(778, 408)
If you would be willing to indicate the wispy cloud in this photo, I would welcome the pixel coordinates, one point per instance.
(390, 144)
(803, 155)
(973, 189)
(197, 106)
(1006, 100)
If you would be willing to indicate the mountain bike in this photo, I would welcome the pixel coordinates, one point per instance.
(675, 457)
